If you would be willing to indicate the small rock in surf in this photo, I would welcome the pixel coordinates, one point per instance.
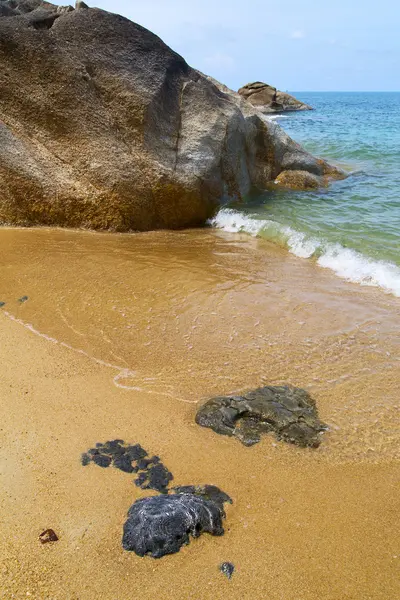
(289, 412)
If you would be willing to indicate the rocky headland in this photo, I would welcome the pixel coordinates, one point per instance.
(103, 126)
(270, 100)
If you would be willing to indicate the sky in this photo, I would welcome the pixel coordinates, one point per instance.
(345, 45)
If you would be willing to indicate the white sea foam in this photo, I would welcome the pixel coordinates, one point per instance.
(276, 117)
(345, 262)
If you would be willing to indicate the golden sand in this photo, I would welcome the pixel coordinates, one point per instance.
(121, 337)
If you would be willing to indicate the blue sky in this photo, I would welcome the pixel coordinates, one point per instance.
(346, 45)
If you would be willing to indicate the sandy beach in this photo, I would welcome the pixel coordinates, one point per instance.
(123, 337)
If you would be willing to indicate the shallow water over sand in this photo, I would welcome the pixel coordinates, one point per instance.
(192, 314)
(135, 330)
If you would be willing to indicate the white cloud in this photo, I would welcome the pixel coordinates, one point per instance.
(298, 34)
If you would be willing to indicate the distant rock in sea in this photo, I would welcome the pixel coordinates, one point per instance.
(103, 126)
(268, 99)
(288, 412)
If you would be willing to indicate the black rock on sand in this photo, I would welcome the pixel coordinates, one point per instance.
(161, 525)
(152, 474)
(289, 412)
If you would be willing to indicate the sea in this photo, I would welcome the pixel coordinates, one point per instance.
(353, 226)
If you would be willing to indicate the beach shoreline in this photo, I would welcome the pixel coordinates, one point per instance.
(304, 524)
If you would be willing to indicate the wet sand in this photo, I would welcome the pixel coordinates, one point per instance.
(134, 332)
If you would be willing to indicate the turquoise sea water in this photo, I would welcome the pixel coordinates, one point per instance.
(353, 227)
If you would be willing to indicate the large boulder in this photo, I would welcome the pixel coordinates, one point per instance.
(269, 99)
(103, 126)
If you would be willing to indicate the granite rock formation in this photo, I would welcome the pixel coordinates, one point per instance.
(288, 412)
(269, 99)
(298, 180)
(103, 126)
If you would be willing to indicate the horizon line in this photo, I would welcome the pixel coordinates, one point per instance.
(345, 91)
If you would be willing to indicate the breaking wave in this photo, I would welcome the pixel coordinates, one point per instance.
(345, 262)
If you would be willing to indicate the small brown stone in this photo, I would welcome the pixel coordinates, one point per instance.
(48, 536)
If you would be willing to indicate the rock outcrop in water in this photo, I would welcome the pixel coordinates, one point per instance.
(163, 524)
(288, 412)
(269, 99)
(103, 126)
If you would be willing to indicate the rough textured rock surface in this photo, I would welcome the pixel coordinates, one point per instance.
(299, 180)
(152, 474)
(289, 412)
(161, 525)
(103, 126)
(207, 492)
(269, 99)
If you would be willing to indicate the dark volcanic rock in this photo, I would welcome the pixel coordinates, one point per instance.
(289, 412)
(130, 459)
(85, 459)
(101, 460)
(123, 463)
(155, 477)
(136, 452)
(103, 126)
(162, 524)
(227, 569)
(208, 492)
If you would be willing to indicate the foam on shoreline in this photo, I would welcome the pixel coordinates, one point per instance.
(345, 262)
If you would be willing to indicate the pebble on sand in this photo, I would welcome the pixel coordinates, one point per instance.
(227, 569)
(49, 535)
